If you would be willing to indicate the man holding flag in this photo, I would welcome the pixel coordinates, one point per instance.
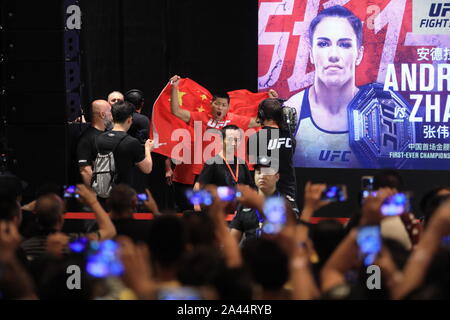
(192, 107)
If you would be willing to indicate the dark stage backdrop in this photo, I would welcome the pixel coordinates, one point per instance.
(142, 43)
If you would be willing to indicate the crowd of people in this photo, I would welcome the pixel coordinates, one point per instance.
(199, 255)
(269, 249)
(236, 231)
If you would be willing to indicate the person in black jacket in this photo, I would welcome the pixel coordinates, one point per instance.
(226, 169)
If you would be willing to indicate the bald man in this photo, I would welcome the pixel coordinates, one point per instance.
(114, 97)
(86, 150)
(49, 212)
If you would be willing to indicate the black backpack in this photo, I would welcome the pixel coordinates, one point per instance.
(104, 173)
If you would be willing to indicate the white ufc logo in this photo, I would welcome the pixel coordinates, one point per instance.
(217, 124)
(277, 143)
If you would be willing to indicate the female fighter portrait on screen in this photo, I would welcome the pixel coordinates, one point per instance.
(322, 134)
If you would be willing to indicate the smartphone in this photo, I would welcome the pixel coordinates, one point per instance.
(445, 242)
(78, 245)
(199, 197)
(71, 192)
(227, 193)
(275, 213)
(367, 193)
(180, 293)
(367, 183)
(395, 205)
(103, 259)
(369, 243)
(141, 197)
(336, 193)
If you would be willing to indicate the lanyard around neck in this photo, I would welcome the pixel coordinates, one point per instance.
(235, 176)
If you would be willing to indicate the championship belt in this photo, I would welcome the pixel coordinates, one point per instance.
(379, 127)
(289, 119)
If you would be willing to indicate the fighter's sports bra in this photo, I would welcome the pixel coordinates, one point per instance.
(317, 147)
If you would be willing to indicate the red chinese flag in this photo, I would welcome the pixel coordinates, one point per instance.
(245, 103)
(192, 97)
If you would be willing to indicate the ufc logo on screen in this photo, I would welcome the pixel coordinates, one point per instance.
(328, 155)
(439, 9)
(277, 143)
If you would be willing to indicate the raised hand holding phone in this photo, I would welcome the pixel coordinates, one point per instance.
(337, 193)
(138, 274)
(313, 199)
(249, 197)
(371, 208)
(275, 215)
(395, 205)
(369, 242)
(71, 192)
(86, 194)
(150, 202)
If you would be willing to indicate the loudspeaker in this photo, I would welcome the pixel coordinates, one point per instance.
(40, 154)
(50, 45)
(40, 86)
(39, 61)
(33, 76)
(36, 107)
(36, 15)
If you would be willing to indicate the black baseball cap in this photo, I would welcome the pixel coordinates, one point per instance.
(265, 161)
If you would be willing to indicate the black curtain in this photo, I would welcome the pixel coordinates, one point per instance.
(141, 44)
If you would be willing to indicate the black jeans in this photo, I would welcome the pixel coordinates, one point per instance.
(181, 200)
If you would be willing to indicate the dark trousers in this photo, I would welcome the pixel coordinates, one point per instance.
(181, 200)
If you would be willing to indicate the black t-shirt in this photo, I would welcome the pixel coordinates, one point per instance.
(126, 154)
(137, 230)
(247, 221)
(140, 127)
(215, 171)
(264, 143)
(86, 151)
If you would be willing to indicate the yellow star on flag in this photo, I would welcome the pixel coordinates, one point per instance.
(204, 97)
(180, 97)
(200, 109)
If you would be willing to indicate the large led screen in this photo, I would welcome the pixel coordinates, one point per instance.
(369, 79)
